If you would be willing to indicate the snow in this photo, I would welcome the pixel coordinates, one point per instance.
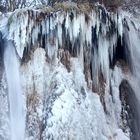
(4, 120)
(76, 112)
(58, 102)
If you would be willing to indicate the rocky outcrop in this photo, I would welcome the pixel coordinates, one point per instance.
(130, 109)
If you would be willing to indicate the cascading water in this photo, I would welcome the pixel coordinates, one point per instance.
(132, 39)
(17, 121)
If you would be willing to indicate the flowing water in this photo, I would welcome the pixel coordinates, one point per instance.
(132, 39)
(15, 94)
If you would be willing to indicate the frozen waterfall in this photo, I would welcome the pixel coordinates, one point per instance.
(77, 66)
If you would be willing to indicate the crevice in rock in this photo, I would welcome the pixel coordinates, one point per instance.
(119, 53)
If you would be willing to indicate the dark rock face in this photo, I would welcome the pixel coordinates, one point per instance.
(3, 9)
(1, 54)
(131, 105)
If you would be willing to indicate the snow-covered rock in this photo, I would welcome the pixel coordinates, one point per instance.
(72, 63)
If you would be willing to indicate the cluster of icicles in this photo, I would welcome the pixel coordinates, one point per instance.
(93, 34)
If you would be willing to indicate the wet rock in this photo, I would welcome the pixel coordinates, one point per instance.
(1, 55)
(130, 110)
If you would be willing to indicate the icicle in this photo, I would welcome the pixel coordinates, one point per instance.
(79, 31)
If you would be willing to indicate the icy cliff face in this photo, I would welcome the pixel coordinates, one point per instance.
(73, 60)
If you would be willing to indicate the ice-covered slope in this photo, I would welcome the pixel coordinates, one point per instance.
(73, 59)
(60, 106)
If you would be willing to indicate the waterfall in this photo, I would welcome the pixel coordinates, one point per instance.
(135, 77)
(14, 90)
(73, 64)
(132, 41)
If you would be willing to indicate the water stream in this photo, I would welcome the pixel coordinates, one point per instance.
(15, 95)
(133, 40)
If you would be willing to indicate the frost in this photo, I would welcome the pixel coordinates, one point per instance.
(71, 77)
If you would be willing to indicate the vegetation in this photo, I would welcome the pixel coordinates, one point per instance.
(11, 5)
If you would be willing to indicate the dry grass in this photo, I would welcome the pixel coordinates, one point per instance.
(32, 101)
(64, 57)
(122, 64)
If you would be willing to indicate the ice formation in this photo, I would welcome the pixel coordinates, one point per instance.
(72, 63)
